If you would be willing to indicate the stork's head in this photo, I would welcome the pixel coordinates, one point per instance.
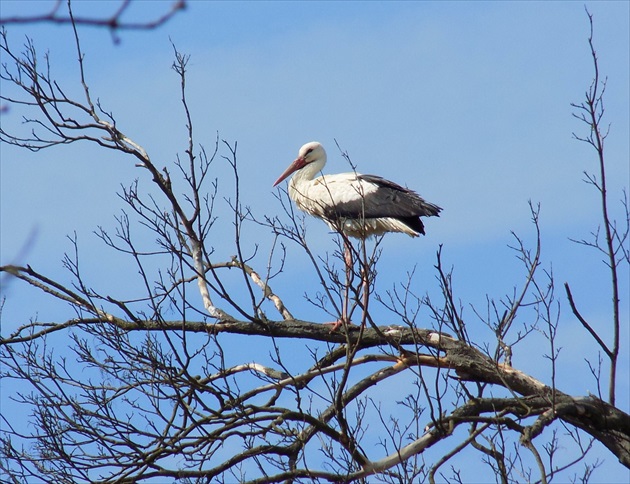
(312, 152)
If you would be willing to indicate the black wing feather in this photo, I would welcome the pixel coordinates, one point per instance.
(390, 200)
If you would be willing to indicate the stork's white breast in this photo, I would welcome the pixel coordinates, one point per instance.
(326, 191)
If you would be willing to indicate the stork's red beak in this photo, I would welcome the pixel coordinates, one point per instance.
(293, 167)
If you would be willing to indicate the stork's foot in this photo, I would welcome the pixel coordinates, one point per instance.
(338, 324)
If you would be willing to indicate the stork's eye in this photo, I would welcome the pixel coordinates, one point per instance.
(310, 150)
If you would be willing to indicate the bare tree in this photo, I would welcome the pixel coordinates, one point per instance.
(147, 390)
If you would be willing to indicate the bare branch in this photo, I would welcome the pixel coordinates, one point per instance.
(591, 112)
(114, 23)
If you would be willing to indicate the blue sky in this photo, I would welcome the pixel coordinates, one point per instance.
(466, 102)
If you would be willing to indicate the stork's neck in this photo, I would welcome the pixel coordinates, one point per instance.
(309, 172)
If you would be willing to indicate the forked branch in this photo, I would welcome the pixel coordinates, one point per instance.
(591, 112)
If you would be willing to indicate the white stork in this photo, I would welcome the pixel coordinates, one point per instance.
(357, 205)
(353, 204)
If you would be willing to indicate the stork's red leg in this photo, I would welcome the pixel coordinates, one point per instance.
(347, 257)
